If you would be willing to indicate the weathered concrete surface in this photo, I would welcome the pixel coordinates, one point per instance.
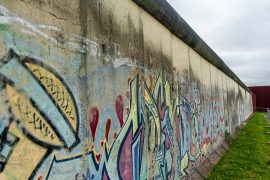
(205, 168)
(214, 158)
(225, 145)
(221, 151)
(165, 14)
(196, 176)
(101, 89)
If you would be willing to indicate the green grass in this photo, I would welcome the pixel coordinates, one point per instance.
(249, 154)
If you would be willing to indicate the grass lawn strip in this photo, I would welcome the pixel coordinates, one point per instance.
(249, 155)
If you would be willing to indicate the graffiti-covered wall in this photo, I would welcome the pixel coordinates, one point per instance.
(99, 89)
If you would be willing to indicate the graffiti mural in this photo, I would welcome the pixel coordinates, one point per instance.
(44, 115)
(161, 125)
(107, 118)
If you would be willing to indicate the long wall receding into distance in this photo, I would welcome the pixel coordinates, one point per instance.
(109, 89)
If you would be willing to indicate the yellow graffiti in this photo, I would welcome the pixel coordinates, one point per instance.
(58, 92)
(133, 117)
(30, 119)
(172, 107)
(184, 164)
(150, 102)
(36, 137)
(24, 158)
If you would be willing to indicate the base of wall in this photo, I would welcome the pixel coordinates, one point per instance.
(204, 170)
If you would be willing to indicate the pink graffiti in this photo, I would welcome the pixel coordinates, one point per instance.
(107, 130)
(93, 120)
(119, 105)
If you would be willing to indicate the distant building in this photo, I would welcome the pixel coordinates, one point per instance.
(262, 99)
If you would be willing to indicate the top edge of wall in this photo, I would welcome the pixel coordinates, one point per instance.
(162, 11)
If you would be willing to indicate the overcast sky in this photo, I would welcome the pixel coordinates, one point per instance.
(237, 30)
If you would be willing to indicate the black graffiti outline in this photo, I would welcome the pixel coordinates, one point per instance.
(22, 60)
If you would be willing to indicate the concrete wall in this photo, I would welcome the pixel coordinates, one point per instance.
(100, 89)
